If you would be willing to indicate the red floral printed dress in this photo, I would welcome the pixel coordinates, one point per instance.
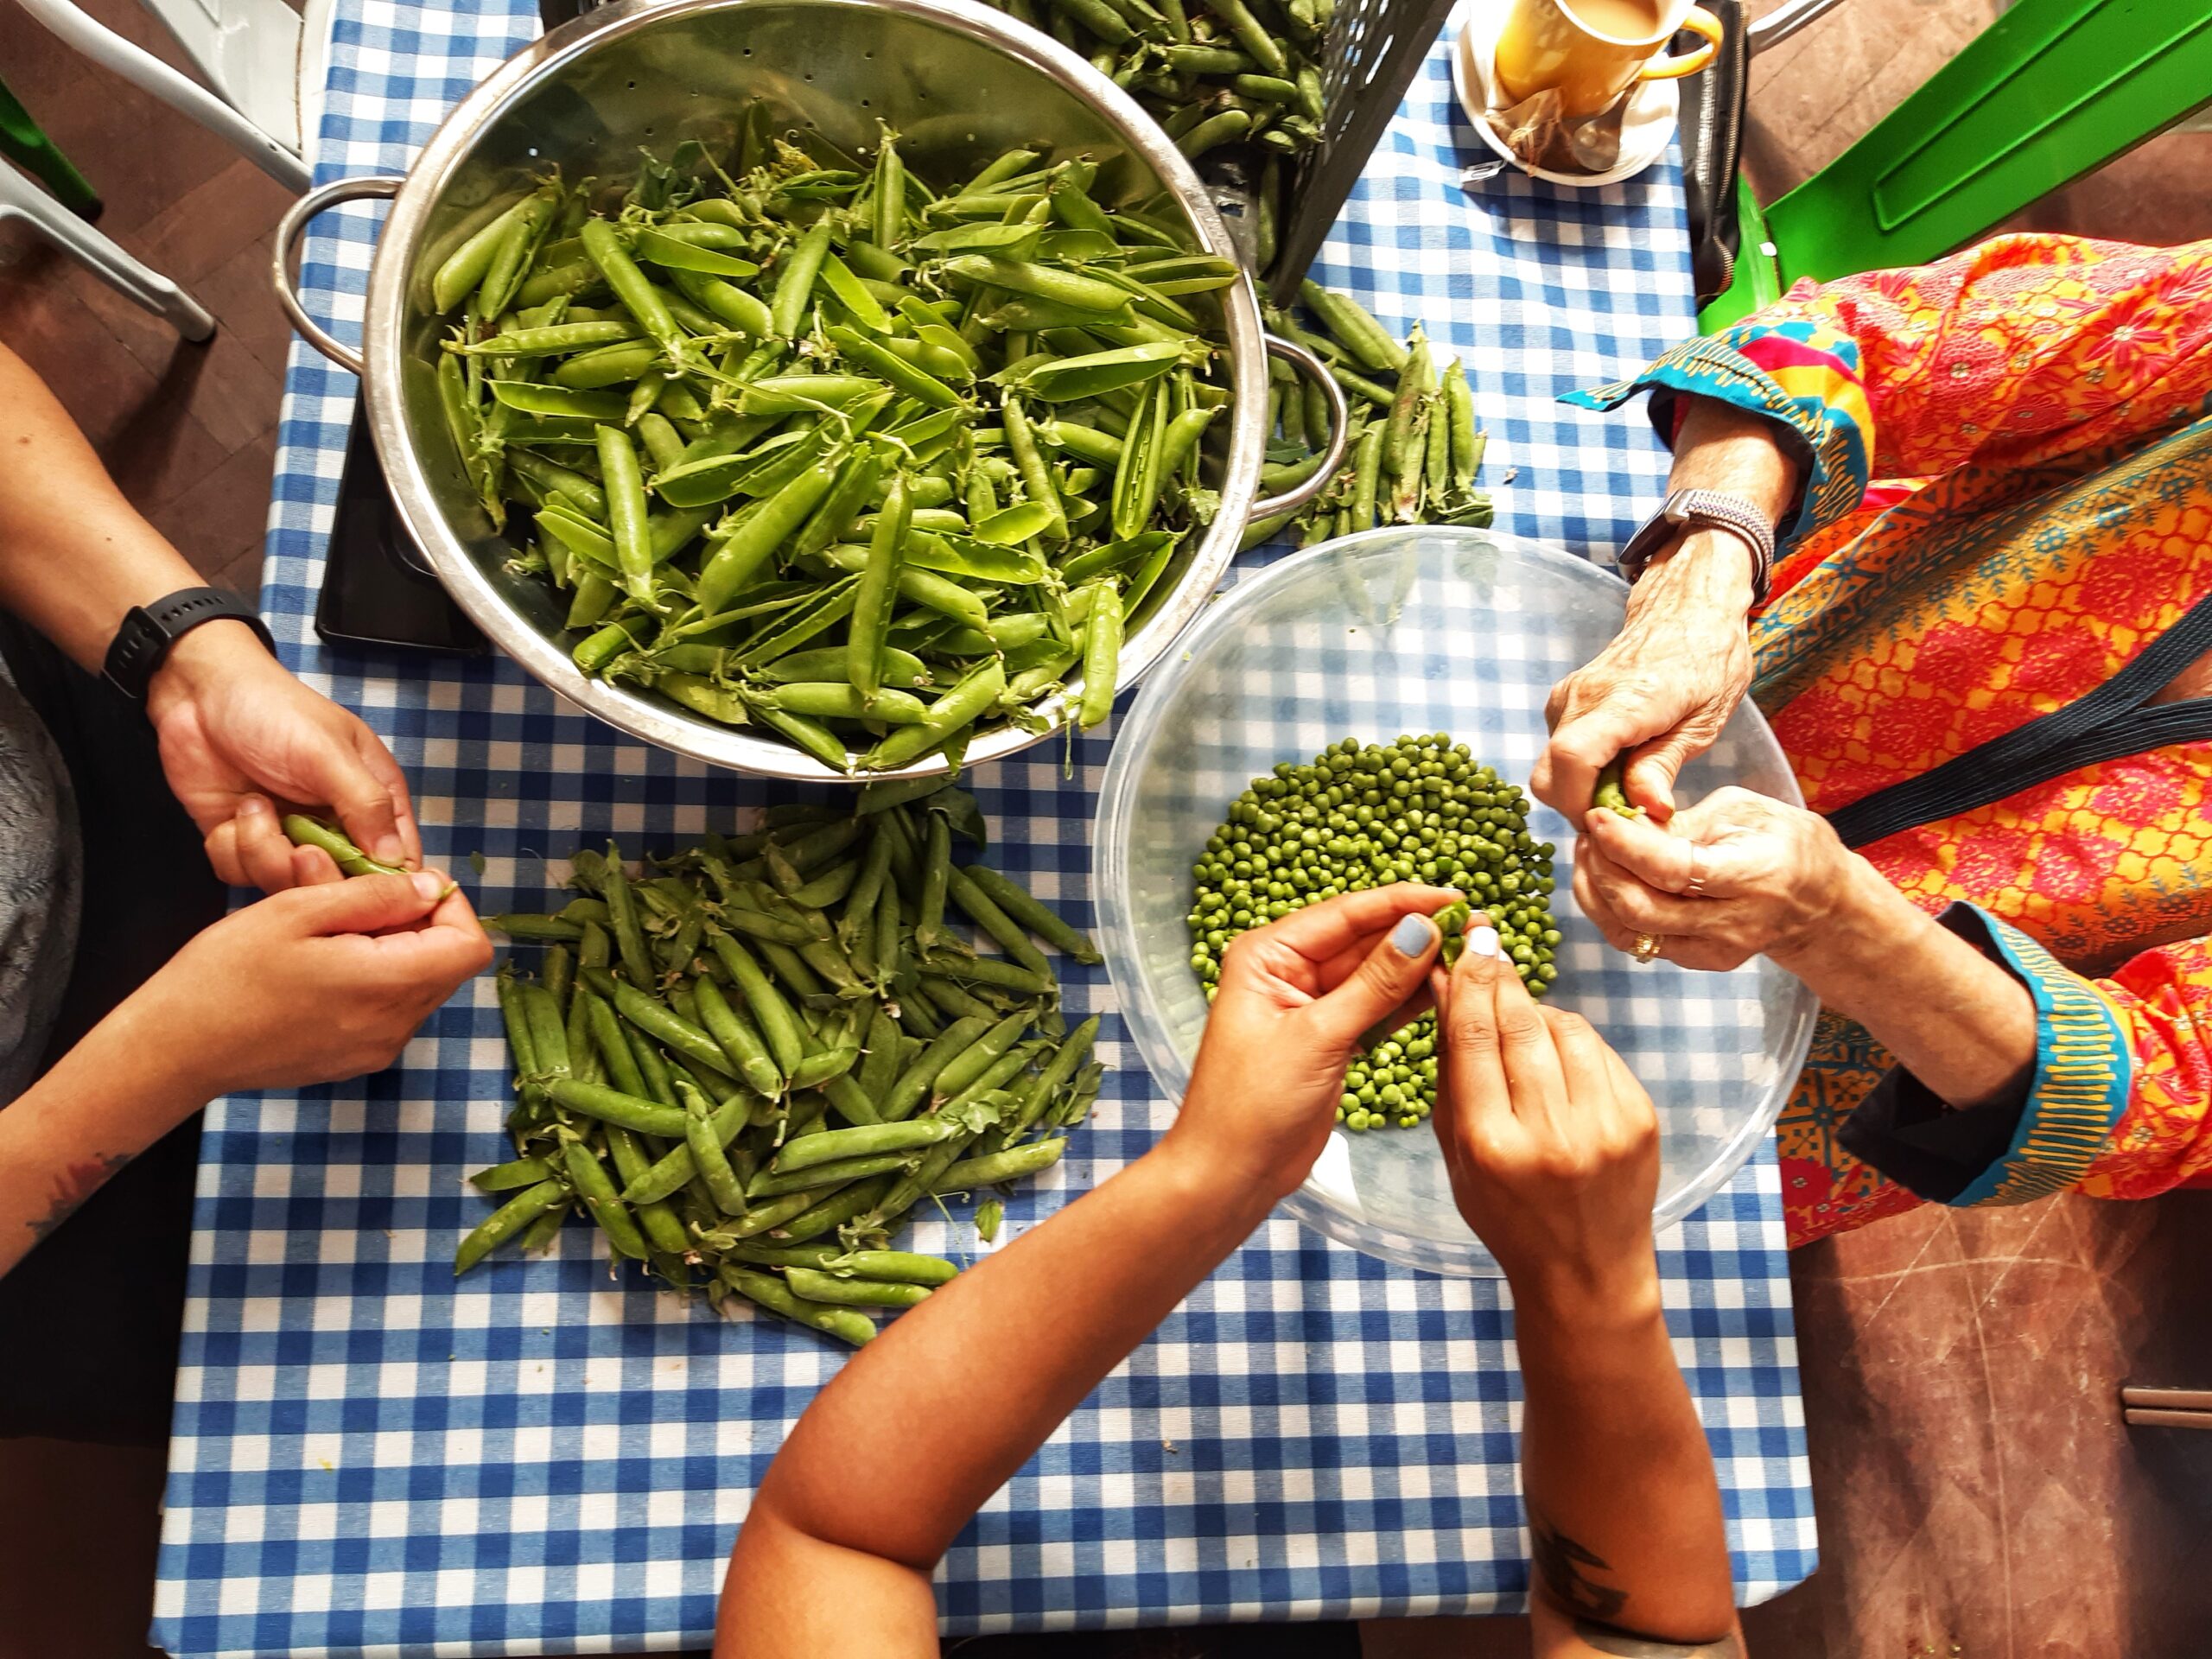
(2008, 498)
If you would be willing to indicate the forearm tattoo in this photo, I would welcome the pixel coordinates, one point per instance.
(75, 1183)
(1568, 1570)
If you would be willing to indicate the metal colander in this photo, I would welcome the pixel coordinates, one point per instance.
(959, 83)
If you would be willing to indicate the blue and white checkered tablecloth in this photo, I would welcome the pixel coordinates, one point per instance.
(370, 1458)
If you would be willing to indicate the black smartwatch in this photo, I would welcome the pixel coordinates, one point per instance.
(1687, 509)
(149, 631)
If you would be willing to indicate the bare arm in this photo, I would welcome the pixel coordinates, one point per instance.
(1554, 1155)
(238, 734)
(1661, 692)
(290, 991)
(894, 1457)
(75, 556)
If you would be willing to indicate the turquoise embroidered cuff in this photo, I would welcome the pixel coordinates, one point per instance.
(1829, 445)
(2083, 1072)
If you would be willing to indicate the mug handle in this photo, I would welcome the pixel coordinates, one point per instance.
(1698, 20)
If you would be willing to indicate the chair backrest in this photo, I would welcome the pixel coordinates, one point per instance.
(2052, 90)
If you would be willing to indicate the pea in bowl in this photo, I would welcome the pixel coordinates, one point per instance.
(1424, 630)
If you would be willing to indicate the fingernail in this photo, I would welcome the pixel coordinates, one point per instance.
(389, 850)
(430, 885)
(1482, 941)
(1410, 937)
(254, 806)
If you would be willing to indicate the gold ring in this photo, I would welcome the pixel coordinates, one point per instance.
(1646, 948)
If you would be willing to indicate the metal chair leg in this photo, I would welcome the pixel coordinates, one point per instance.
(98, 254)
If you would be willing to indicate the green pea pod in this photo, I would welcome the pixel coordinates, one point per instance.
(503, 1178)
(562, 482)
(747, 1051)
(707, 1158)
(887, 214)
(605, 366)
(1084, 441)
(841, 1290)
(1101, 652)
(559, 281)
(973, 559)
(673, 253)
(856, 481)
(1108, 558)
(839, 700)
(1357, 330)
(558, 340)
(512, 258)
(1216, 130)
(603, 247)
(1207, 60)
(899, 668)
(1069, 378)
(795, 284)
(742, 554)
(849, 292)
(675, 1169)
(993, 1168)
(531, 398)
(304, 831)
(1136, 480)
(975, 695)
(1367, 476)
(1019, 905)
(662, 1230)
(596, 1188)
(869, 633)
(626, 500)
(1466, 441)
(887, 366)
(828, 607)
(1018, 523)
(1036, 476)
(738, 308)
(779, 1025)
(509, 1219)
(835, 1146)
(463, 269)
(612, 1106)
(806, 394)
(1610, 795)
(845, 1324)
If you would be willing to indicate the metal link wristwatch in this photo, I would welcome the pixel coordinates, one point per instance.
(149, 631)
(1686, 508)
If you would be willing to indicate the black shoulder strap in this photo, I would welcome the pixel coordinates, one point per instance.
(2114, 719)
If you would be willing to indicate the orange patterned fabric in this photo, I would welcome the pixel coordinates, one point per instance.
(2039, 509)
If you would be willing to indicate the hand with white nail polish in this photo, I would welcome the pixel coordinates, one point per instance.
(1294, 1000)
(1553, 1148)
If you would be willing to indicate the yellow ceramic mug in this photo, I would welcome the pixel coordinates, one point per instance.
(1591, 51)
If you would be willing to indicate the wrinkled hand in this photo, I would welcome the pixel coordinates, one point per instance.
(1552, 1147)
(1660, 693)
(1774, 878)
(239, 734)
(314, 984)
(1295, 997)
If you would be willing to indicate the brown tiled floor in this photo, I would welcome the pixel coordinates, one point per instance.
(1977, 1497)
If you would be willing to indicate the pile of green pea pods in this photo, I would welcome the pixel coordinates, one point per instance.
(1365, 815)
(749, 1066)
(820, 448)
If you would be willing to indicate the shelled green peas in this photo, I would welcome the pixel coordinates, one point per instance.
(1364, 815)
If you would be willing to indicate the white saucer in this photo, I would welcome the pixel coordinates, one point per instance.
(1648, 124)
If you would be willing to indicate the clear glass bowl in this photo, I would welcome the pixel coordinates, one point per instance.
(1425, 629)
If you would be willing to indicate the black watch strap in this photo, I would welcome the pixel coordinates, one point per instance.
(149, 631)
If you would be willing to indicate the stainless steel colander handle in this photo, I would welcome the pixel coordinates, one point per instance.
(1339, 430)
(288, 230)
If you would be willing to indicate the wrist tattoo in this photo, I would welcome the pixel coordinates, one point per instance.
(76, 1183)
